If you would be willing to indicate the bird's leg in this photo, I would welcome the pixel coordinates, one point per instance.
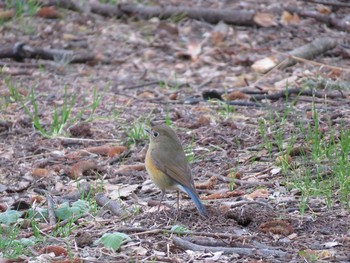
(161, 199)
(178, 205)
(178, 202)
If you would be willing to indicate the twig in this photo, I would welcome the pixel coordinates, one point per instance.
(21, 51)
(210, 15)
(186, 245)
(338, 4)
(320, 64)
(330, 20)
(247, 202)
(109, 204)
(299, 92)
(145, 231)
(51, 209)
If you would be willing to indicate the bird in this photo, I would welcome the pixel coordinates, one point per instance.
(168, 167)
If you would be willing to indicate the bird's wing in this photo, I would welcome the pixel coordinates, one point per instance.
(176, 167)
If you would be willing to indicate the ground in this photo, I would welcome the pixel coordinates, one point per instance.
(273, 173)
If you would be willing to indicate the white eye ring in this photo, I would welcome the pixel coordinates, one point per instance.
(155, 134)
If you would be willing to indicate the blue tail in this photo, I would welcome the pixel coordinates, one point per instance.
(195, 198)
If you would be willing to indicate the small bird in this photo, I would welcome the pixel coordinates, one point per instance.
(167, 165)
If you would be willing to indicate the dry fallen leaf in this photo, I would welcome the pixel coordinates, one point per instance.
(223, 195)
(146, 95)
(289, 19)
(110, 151)
(219, 33)
(6, 15)
(264, 65)
(194, 49)
(259, 193)
(283, 159)
(58, 251)
(122, 191)
(173, 96)
(48, 12)
(236, 95)
(79, 168)
(129, 168)
(209, 184)
(40, 172)
(278, 227)
(265, 19)
(325, 10)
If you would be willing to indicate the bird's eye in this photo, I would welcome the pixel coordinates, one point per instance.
(155, 134)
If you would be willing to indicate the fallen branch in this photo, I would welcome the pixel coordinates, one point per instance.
(236, 17)
(331, 3)
(21, 51)
(51, 209)
(105, 9)
(210, 15)
(299, 92)
(329, 20)
(186, 245)
(308, 51)
(68, 4)
(109, 204)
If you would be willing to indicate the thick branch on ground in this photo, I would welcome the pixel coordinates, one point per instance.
(329, 20)
(237, 17)
(21, 51)
(332, 3)
(186, 245)
(105, 9)
(109, 204)
(68, 4)
(299, 92)
(308, 51)
(210, 15)
(51, 209)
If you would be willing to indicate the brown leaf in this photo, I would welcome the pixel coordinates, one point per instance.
(283, 159)
(325, 10)
(107, 150)
(289, 19)
(299, 150)
(58, 251)
(146, 95)
(173, 96)
(193, 51)
(128, 168)
(79, 168)
(37, 199)
(81, 130)
(309, 114)
(209, 184)
(236, 95)
(3, 208)
(279, 227)
(264, 65)
(203, 120)
(259, 193)
(217, 38)
(116, 150)
(48, 12)
(6, 15)
(40, 172)
(265, 19)
(234, 175)
(223, 195)
(173, 30)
